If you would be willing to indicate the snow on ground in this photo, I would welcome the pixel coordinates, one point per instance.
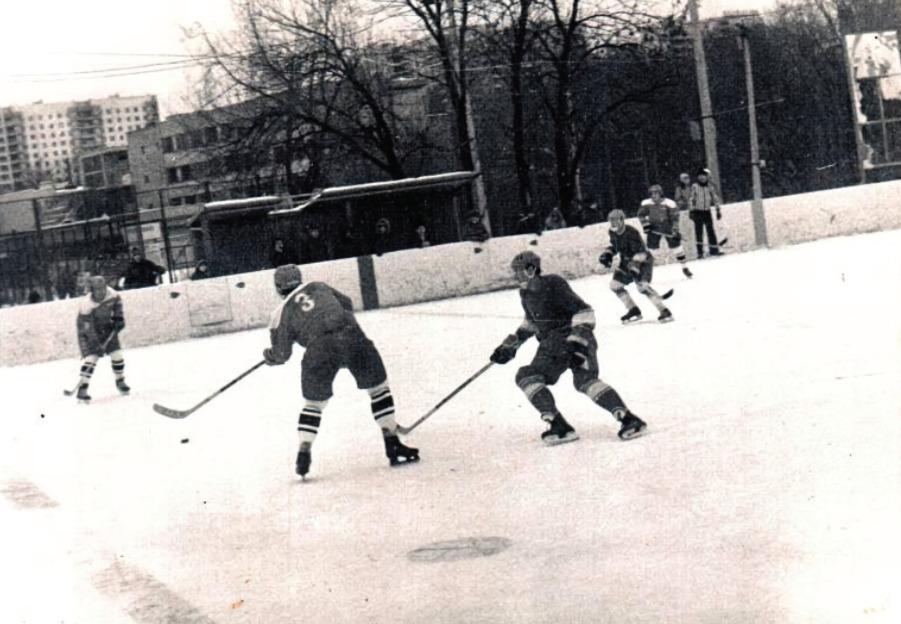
(767, 489)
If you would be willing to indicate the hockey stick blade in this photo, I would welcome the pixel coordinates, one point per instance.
(667, 294)
(171, 413)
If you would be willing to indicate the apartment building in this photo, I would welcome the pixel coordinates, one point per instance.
(47, 139)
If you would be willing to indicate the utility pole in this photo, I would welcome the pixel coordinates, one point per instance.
(707, 122)
(757, 213)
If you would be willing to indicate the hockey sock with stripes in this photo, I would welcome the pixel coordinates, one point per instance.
(610, 400)
(118, 365)
(382, 404)
(625, 297)
(87, 369)
(538, 394)
(310, 418)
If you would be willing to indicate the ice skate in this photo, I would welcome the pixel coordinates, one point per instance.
(397, 453)
(302, 465)
(633, 315)
(83, 396)
(687, 273)
(631, 426)
(665, 316)
(559, 431)
(122, 387)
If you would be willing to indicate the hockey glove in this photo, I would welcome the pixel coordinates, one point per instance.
(118, 323)
(506, 351)
(646, 226)
(579, 340)
(719, 214)
(271, 358)
(606, 259)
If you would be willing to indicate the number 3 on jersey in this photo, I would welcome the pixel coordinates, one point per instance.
(306, 301)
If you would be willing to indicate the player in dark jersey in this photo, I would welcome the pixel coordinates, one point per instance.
(100, 319)
(320, 319)
(564, 326)
(635, 264)
(659, 217)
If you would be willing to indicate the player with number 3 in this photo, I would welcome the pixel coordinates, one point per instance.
(321, 320)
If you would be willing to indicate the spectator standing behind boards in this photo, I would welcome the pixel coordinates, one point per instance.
(420, 238)
(281, 254)
(141, 272)
(314, 247)
(702, 202)
(474, 229)
(683, 192)
(383, 242)
(201, 271)
(554, 220)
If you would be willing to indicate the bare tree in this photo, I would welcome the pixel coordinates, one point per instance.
(309, 75)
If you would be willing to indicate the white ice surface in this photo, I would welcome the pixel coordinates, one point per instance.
(767, 490)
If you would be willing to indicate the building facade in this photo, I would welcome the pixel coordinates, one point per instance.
(43, 142)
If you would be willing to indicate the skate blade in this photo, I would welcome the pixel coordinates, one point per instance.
(634, 319)
(667, 320)
(634, 433)
(399, 464)
(552, 441)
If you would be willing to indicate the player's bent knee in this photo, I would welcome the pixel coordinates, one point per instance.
(618, 289)
(530, 381)
(643, 287)
(593, 388)
(117, 356)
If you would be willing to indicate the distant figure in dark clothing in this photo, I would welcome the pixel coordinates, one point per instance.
(201, 271)
(351, 243)
(474, 229)
(34, 297)
(314, 247)
(141, 272)
(281, 254)
(420, 238)
(383, 242)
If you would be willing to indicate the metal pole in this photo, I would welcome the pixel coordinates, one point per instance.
(757, 212)
(707, 121)
(855, 113)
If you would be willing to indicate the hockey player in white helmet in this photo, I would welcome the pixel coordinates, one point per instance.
(660, 218)
(100, 319)
(321, 320)
(564, 326)
(635, 265)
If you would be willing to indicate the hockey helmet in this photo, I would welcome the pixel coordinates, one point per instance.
(526, 259)
(655, 188)
(617, 220)
(287, 277)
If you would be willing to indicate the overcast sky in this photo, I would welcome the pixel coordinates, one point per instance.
(49, 49)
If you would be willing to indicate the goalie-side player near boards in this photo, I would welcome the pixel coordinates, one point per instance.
(564, 326)
(635, 265)
(320, 319)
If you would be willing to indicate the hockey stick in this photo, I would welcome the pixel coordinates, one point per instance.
(102, 349)
(405, 430)
(174, 413)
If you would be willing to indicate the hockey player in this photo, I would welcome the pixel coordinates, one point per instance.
(100, 319)
(563, 324)
(320, 319)
(635, 264)
(660, 217)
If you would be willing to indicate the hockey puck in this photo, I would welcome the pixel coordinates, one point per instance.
(184, 440)
(477, 250)
(240, 285)
(174, 294)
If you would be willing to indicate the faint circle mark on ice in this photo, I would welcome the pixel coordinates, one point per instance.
(464, 548)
